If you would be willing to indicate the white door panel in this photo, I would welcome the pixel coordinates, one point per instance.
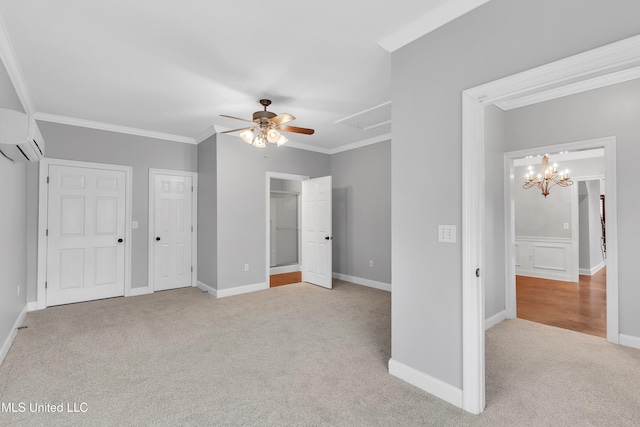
(86, 218)
(173, 231)
(317, 232)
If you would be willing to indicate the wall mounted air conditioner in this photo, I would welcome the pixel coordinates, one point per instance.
(20, 138)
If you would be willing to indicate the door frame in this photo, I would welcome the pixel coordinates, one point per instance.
(613, 63)
(268, 176)
(609, 146)
(151, 222)
(43, 208)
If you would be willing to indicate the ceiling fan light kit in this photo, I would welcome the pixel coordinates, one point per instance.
(267, 128)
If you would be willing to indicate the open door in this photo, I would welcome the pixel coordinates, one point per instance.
(316, 232)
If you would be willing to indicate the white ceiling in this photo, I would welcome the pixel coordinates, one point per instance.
(173, 67)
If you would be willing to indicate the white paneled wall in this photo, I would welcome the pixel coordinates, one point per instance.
(545, 257)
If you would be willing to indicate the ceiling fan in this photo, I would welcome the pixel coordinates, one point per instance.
(266, 127)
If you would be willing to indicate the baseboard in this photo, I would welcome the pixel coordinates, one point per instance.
(629, 341)
(143, 290)
(592, 270)
(547, 274)
(363, 282)
(222, 293)
(285, 269)
(495, 319)
(32, 306)
(431, 385)
(206, 288)
(12, 335)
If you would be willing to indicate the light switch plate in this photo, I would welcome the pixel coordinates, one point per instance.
(447, 233)
(134, 224)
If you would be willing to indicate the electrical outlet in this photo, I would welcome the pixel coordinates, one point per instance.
(246, 267)
(370, 263)
(134, 224)
(447, 233)
(565, 225)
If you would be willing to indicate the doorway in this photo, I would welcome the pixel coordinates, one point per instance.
(284, 218)
(559, 262)
(600, 66)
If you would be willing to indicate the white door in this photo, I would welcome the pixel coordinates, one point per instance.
(86, 230)
(316, 231)
(173, 231)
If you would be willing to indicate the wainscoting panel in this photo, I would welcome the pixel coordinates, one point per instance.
(544, 257)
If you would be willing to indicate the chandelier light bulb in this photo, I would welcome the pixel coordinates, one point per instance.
(259, 142)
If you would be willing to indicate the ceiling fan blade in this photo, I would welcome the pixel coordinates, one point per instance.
(295, 129)
(236, 130)
(236, 118)
(282, 118)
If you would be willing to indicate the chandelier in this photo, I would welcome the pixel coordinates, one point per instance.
(548, 177)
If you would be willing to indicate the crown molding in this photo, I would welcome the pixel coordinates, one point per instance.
(438, 17)
(8, 56)
(571, 89)
(111, 128)
(360, 144)
(206, 134)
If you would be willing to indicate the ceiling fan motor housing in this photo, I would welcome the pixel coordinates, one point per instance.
(259, 116)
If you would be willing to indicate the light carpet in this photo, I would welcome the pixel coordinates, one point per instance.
(292, 355)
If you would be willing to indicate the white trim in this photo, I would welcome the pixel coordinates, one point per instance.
(429, 22)
(572, 89)
(267, 215)
(432, 385)
(308, 147)
(208, 289)
(360, 144)
(72, 121)
(593, 270)
(32, 306)
(283, 269)
(545, 273)
(151, 222)
(8, 56)
(629, 341)
(544, 239)
(363, 282)
(12, 335)
(43, 206)
(601, 61)
(238, 290)
(206, 134)
(559, 157)
(140, 290)
(473, 211)
(495, 319)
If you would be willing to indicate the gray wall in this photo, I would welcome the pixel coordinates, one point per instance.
(494, 249)
(362, 212)
(608, 111)
(207, 212)
(498, 39)
(90, 145)
(242, 203)
(13, 226)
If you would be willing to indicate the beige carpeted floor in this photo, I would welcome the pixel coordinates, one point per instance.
(292, 355)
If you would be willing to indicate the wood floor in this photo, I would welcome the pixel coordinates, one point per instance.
(285, 279)
(579, 306)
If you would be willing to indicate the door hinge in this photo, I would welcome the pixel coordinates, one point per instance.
(192, 228)
(46, 233)
(47, 180)
(192, 268)
(46, 284)
(192, 188)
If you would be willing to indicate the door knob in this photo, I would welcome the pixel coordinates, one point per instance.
(328, 238)
(120, 240)
(158, 239)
